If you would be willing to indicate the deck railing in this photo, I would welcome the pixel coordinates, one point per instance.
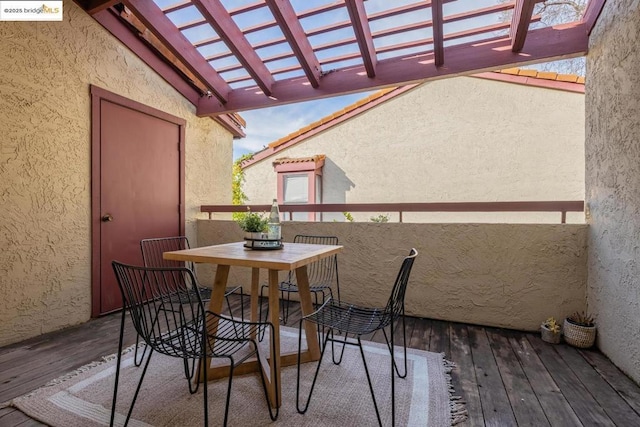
(562, 207)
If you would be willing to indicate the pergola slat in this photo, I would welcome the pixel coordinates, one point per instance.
(520, 23)
(156, 21)
(292, 29)
(218, 17)
(438, 33)
(363, 35)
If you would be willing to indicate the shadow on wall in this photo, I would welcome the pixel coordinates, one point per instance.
(335, 185)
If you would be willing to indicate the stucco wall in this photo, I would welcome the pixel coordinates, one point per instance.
(505, 275)
(452, 140)
(46, 70)
(613, 181)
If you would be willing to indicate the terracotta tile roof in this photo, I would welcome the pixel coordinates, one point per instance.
(283, 160)
(366, 102)
(569, 82)
(546, 75)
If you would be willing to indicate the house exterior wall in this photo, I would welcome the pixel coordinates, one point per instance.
(452, 140)
(613, 182)
(504, 275)
(45, 150)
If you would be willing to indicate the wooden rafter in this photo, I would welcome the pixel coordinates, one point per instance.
(154, 19)
(438, 32)
(363, 35)
(520, 23)
(215, 13)
(292, 29)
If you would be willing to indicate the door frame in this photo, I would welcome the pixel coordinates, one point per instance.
(97, 96)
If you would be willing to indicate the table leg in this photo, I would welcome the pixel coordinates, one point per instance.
(215, 305)
(307, 307)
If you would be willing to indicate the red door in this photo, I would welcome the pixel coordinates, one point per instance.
(140, 188)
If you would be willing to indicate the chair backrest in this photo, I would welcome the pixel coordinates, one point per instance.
(324, 271)
(395, 305)
(152, 250)
(162, 307)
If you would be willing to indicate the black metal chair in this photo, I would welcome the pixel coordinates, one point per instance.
(350, 319)
(152, 250)
(322, 275)
(170, 317)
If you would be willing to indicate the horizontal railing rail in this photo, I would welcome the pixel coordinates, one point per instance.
(561, 207)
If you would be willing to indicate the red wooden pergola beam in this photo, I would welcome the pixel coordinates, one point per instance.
(362, 31)
(110, 21)
(438, 32)
(156, 21)
(94, 6)
(486, 55)
(218, 17)
(292, 29)
(520, 23)
(594, 7)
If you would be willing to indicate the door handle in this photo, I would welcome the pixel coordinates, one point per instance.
(107, 218)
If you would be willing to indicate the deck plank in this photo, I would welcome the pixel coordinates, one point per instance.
(524, 401)
(556, 408)
(493, 396)
(615, 407)
(626, 388)
(464, 375)
(584, 405)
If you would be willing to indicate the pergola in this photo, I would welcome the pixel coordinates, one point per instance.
(229, 56)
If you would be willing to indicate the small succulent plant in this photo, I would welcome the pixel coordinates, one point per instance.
(582, 319)
(552, 325)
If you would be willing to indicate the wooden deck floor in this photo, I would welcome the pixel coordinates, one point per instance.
(506, 378)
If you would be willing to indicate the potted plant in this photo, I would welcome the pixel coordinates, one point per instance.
(256, 231)
(580, 330)
(550, 331)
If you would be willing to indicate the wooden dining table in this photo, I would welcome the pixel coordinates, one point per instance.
(291, 257)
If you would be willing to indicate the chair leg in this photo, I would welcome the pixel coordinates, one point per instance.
(189, 371)
(315, 376)
(137, 362)
(390, 345)
(333, 350)
(373, 395)
(272, 415)
(135, 395)
(115, 386)
(226, 406)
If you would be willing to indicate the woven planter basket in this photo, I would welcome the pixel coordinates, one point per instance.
(579, 336)
(548, 336)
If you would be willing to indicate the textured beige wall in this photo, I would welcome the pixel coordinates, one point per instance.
(46, 69)
(452, 140)
(505, 275)
(613, 182)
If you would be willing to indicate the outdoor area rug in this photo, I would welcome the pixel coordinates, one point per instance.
(341, 398)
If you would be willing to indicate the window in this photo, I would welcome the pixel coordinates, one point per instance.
(300, 182)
